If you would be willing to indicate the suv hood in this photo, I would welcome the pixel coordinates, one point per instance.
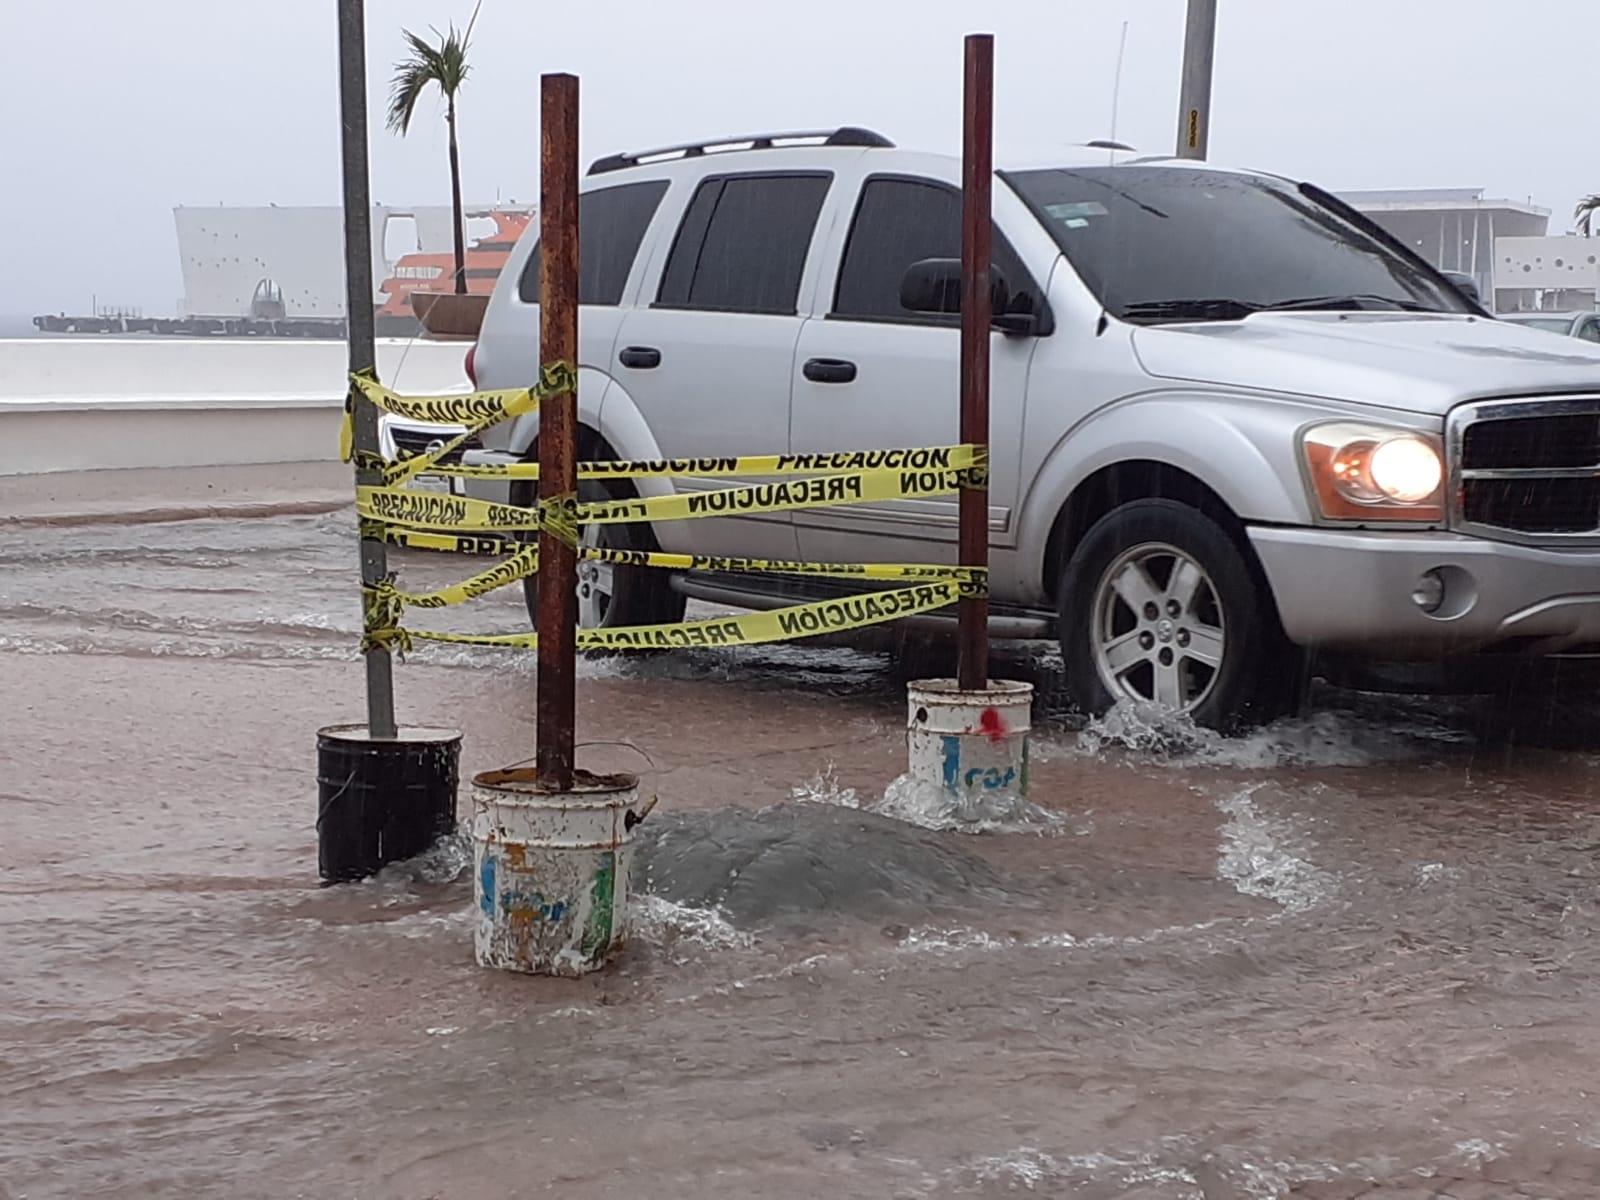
(1417, 362)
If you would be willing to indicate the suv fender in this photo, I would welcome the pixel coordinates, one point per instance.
(523, 431)
(1242, 450)
(605, 407)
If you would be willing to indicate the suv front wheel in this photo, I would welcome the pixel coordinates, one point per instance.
(1159, 607)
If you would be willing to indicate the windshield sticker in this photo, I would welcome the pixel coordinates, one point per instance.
(1075, 215)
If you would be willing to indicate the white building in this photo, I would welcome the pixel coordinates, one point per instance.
(232, 255)
(1560, 274)
(1456, 229)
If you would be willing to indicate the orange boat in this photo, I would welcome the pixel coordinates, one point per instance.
(419, 279)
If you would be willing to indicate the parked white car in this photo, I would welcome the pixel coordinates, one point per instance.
(1234, 422)
(1585, 325)
(399, 438)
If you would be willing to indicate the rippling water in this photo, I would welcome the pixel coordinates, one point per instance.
(1344, 956)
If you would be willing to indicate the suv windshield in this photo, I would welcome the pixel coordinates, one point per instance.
(1179, 244)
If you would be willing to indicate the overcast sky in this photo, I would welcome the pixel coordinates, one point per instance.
(114, 112)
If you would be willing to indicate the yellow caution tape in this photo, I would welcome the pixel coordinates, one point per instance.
(430, 510)
(380, 619)
(470, 409)
(784, 624)
(490, 546)
(428, 520)
(454, 543)
(520, 565)
(407, 469)
(823, 491)
(775, 566)
(523, 561)
(474, 410)
(931, 458)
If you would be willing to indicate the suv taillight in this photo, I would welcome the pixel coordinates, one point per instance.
(472, 364)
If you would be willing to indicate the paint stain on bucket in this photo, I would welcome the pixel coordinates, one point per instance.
(992, 726)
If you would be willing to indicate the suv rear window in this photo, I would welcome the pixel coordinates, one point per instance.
(611, 225)
(743, 243)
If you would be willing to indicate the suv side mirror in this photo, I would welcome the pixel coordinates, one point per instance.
(1465, 284)
(933, 285)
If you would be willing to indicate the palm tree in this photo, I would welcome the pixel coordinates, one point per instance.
(446, 67)
(1585, 212)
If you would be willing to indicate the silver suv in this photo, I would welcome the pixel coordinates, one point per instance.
(1234, 422)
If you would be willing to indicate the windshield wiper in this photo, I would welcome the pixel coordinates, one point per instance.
(1224, 308)
(1359, 301)
(1218, 309)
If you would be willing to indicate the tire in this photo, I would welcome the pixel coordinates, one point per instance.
(636, 596)
(1159, 605)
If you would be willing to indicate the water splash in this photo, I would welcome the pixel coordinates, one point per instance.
(668, 923)
(941, 941)
(919, 802)
(823, 788)
(1025, 1166)
(446, 860)
(1325, 739)
(1429, 873)
(1175, 1165)
(1477, 1151)
(1255, 856)
(1030, 1169)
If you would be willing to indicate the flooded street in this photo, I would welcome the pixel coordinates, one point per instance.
(1351, 955)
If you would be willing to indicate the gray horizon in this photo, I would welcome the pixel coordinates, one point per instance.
(130, 114)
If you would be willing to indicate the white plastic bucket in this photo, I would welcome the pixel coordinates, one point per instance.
(550, 878)
(970, 744)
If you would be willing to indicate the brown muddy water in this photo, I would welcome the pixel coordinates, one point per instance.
(1350, 955)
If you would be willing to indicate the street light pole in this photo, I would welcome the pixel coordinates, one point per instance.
(360, 318)
(1194, 96)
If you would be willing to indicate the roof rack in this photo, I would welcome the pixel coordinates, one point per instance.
(847, 135)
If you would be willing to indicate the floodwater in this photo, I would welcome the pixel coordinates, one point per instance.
(1351, 955)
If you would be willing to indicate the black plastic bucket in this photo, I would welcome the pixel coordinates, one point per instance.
(379, 802)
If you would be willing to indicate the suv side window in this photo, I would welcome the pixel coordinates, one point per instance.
(611, 225)
(898, 222)
(1590, 329)
(743, 243)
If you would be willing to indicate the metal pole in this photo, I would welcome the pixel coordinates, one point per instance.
(1194, 97)
(360, 316)
(1116, 90)
(1494, 266)
(558, 425)
(977, 231)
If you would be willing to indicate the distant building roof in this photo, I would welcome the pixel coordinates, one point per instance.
(1437, 200)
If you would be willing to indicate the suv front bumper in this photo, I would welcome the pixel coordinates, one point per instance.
(1354, 589)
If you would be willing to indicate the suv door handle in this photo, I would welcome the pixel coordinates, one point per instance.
(829, 370)
(641, 358)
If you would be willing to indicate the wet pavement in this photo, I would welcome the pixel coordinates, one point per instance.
(1351, 955)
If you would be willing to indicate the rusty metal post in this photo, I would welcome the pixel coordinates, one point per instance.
(977, 235)
(558, 425)
(360, 318)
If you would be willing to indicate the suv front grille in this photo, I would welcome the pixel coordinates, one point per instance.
(1527, 470)
(409, 443)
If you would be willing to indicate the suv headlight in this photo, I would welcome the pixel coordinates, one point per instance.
(1361, 472)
